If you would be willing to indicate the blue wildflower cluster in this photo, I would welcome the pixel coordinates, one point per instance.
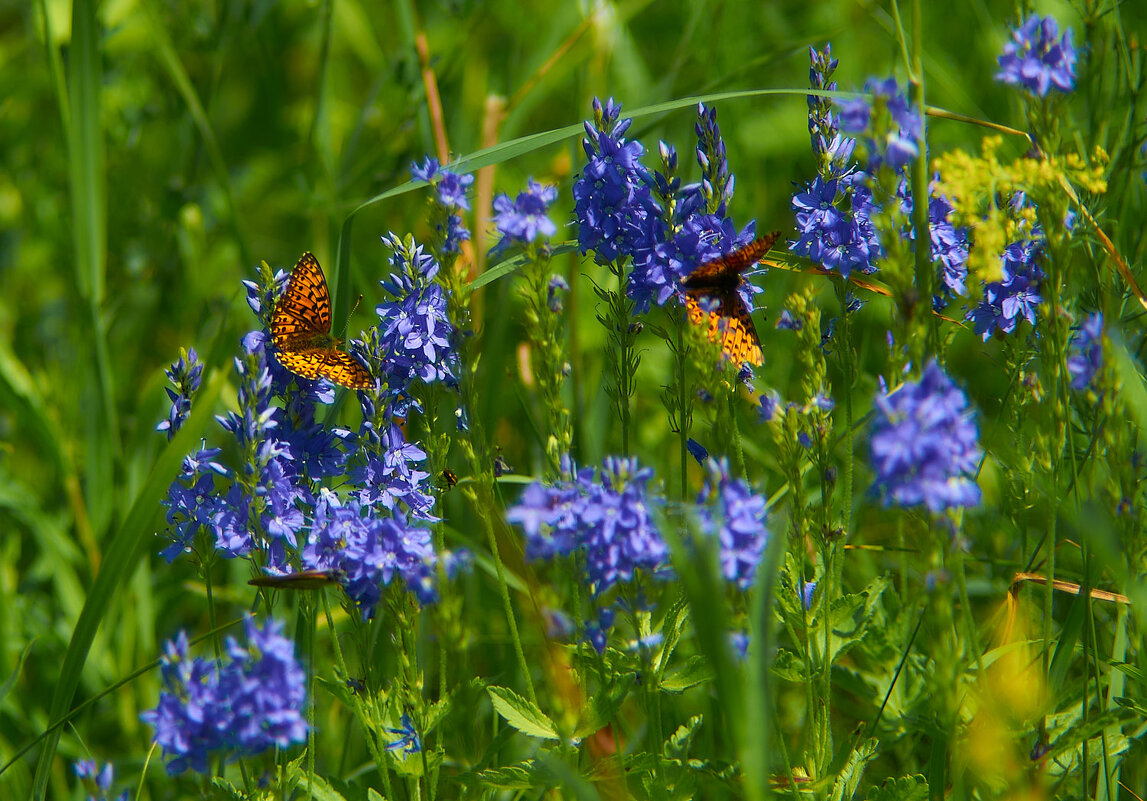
(244, 705)
(369, 551)
(624, 210)
(924, 444)
(1086, 356)
(186, 375)
(612, 200)
(523, 218)
(690, 227)
(895, 142)
(97, 781)
(414, 334)
(265, 509)
(833, 211)
(735, 515)
(1037, 59)
(1016, 296)
(606, 520)
(449, 198)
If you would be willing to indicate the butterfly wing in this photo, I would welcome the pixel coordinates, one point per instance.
(344, 369)
(299, 580)
(712, 300)
(316, 363)
(728, 322)
(726, 269)
(303, 313)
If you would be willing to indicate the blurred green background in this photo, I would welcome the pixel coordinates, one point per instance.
(152, 153)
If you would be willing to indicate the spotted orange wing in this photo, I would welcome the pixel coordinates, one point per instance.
(729, 324)
(301, 330)
(711, 298)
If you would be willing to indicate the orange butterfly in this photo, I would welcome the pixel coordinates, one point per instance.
(301, 328)
(729, 321)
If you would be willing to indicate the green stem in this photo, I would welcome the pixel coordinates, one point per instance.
(368, 732)
(849, 443)
(923, 250)
(683, 418)
(508, 608)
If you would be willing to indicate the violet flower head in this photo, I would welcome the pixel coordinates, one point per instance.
(899, 143)
(414, 333)
(606, 519)
(716, 181)
(1086, 355)
(735, 515)
(186, 375)
(369, 551)
(386, 470)
(833, 151)
(524, 218)
(612, 200)
(97, 782)
(450, 190)
(833, 219)
(1017, 296)
(243, 705)
(1037, 59)
(924, 444)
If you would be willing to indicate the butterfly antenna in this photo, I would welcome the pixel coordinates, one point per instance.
(346, 325)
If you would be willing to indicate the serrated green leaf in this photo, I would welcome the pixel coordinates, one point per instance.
(677, 746)
(523, 776)
(374, 795)
(695, 671)
(521, 714)
(789, 666)
(603, 706)
(228, 790)
(905, 788)
(844, 788)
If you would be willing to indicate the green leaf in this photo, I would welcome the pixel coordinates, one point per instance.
(521, 714)
(19, 667)
(789, 666)
(228, 790)
(849, 777)
(850, 616)
(374, 795)
(527, 775)
(671, 630)
(677, 746)
(1065, 643)
(695, 671)
(1076, 734)
(906, 788)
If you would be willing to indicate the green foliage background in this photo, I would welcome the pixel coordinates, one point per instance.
(152, 153)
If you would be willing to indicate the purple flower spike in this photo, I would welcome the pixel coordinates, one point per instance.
(1036, 60)
(924, 445)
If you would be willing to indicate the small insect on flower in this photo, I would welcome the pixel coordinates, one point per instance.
(301, 328)
(299, 580)
(449, 479)
(712, 297)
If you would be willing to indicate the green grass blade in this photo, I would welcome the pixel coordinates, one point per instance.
(121, 560)
(88, 182)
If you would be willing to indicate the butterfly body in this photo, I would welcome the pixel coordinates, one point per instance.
(299, 580)
(301, 330)
(712, 298)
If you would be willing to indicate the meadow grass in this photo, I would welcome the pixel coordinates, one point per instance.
(563, 547)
